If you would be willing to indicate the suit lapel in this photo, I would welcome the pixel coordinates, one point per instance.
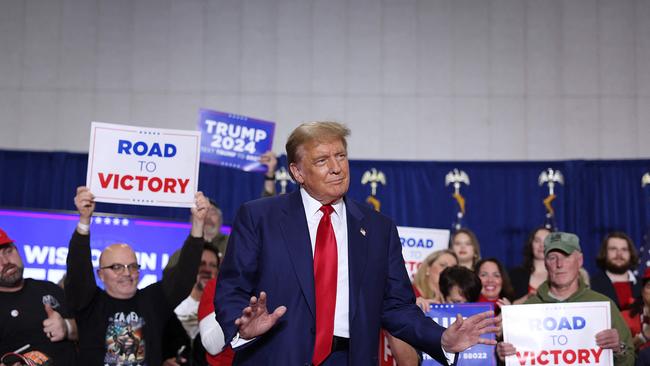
(296, 238)
(357, 252)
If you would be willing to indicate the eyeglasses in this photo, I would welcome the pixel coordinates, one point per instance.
(119, 268)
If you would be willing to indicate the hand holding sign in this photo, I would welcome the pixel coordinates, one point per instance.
(233, 140)
(464, 333)
(85, 203)
(608, 339)
(199, 212)
(505, 349)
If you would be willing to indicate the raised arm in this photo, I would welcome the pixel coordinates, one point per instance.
(271, 161)
(80, 283)
(178, 282)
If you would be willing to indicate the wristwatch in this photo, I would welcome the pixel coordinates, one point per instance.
(622, 349)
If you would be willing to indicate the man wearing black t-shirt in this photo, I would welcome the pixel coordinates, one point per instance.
(32, 312)
(122, 325)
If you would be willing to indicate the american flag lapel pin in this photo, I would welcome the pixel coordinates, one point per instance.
(363, 231)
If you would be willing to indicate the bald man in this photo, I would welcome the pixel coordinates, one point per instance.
(122, 325)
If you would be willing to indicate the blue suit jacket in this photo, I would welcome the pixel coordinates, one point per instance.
(270, 250)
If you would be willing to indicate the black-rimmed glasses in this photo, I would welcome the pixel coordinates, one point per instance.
(119, 268)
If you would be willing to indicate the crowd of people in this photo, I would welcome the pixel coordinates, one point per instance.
(264, 295)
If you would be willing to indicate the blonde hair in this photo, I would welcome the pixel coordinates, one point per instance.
(420, 279)
(319, 131)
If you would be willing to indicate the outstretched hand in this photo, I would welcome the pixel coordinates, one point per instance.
(464, 333)
(256, 320)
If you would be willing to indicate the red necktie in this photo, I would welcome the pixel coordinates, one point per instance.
(325, 267)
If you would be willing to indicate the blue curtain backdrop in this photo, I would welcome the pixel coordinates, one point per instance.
(504, 200)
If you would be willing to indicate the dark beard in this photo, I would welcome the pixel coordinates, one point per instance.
(611, 267)
(11, 280)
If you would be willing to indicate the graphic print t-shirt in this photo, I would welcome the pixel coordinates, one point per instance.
(125, 343)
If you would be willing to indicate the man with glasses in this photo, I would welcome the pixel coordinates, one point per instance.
(112, 321)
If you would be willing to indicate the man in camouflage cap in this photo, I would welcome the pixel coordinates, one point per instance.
(563, 260)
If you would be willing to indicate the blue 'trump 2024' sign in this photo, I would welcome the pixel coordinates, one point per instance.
(233, 140)
(445, 315)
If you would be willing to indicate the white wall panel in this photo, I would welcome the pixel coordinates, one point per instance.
(42, 44)
(364, 116)
(471, 128)
(78, 42)
(507, 47)
(618, 132)
(151, 47)
(643, 126)
(326, 108)
(222, 46)
(434, 47)
(10, 115)
(364, 64)
(74, 110)
(642, 38)
(465, 79)
(114, 45)
(329, 46)
(507, 132)
(581, 129)
(112, 107)
(39, 123)
(150, 109)
(544, 129)
(580, 36)
(399, 69)
(617, 48)
(471, 39)
(12, 39)
(186, 46)
(294, 49)
(259, 46)
(543, 48)
(398, 127)
(435, 137)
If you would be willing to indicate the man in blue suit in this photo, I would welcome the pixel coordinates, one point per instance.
(332, 268)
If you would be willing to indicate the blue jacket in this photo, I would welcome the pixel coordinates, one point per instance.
(270, 250)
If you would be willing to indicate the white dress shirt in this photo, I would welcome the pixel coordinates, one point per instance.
(340, 225)
(187, 313)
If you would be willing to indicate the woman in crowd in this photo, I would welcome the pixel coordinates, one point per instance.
(465, 244)
(427, 292)
(426, 282)
(496, 283)
(459, 285)
(532, 272)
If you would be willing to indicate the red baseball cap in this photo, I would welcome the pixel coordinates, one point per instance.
(4, 238)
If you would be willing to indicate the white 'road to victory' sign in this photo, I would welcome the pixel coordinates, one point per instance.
(142, 165)
(557, 333)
